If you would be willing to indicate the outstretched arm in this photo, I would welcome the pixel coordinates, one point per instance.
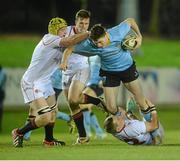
(135, 27)
(153, 124)
(72, 40)
(66, 54)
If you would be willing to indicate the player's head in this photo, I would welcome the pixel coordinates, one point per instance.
(57, 26)
(82, 20)
(99, 36)
(109, 125)
(113, 124)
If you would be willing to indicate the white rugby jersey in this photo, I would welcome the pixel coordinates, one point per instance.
(75, 61)
(45, 59)
(134, 132)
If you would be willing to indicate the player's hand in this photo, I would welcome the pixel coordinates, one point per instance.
(63, 66)
(138, 42)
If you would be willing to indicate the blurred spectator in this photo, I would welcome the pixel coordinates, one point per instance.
(2, 93)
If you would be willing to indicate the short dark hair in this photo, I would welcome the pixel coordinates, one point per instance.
(109, 126)
(97, 31)
(83, 14)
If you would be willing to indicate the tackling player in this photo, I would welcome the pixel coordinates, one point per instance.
(129, 129)
(36, 84)
(76, 76)
(56, 80)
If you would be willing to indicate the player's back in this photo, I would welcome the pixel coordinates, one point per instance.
(45, 59)
(113, 57)
(134, 132)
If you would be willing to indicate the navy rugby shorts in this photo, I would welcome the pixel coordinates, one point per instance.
(114, 78)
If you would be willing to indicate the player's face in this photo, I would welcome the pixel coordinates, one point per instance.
(82, 24)
(102, 41)
(119, 122)
(62, 32)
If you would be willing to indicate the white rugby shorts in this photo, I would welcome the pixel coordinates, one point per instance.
(35, 90)
(81, 75)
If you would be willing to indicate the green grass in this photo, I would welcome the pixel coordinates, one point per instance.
(159, 53)
(107, 149)
(16, 51)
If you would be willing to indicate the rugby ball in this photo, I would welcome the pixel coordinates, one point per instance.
(129, 42)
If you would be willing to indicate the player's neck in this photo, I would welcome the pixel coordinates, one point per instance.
(108, 39)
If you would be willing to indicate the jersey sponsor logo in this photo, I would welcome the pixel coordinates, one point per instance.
(136, 73)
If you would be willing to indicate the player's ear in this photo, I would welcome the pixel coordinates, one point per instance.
(118, 128)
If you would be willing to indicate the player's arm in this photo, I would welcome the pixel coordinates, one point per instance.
(135, 27)
(72, 40)
(66, 54)
(153, 124)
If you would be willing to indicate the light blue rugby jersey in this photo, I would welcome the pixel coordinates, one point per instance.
(56, 79)
(94, 62)
(113, 58)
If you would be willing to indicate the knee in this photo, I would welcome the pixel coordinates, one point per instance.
(45, 118)
(73, 101)
(112, 108)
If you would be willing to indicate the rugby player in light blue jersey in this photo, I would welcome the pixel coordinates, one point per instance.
(117, 65)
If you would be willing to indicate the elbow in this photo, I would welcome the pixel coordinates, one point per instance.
(130, 20)
(67, 44)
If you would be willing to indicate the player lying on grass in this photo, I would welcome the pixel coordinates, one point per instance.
(126, 127)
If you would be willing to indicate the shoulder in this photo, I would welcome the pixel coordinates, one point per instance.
(70, 30)
(117, 33)
(49, 39)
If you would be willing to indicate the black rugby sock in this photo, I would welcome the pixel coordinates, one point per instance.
(79, 121)
(49, 132)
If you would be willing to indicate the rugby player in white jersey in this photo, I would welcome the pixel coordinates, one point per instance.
(36, 84)
(76, 75)
(127, 128)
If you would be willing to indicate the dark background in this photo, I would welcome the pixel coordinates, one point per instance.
(32, 16)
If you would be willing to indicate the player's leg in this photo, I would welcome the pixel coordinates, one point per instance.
(158, 135)
(100, 134)
(49, 138)
(77, 81)
(43, 118)
(111, 94)
(28, 134)
(144, 104)
(94, 90)
(87, 119)
(132, 110)
(75, 92)
(35, 95)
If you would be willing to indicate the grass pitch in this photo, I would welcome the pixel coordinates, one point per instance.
(16, 51)
(107, 149)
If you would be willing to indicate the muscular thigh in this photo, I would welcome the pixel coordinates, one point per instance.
(81, 75)
(38, 104)
(75, 90)
(111, 94)
(51, 100)
(134, 87)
